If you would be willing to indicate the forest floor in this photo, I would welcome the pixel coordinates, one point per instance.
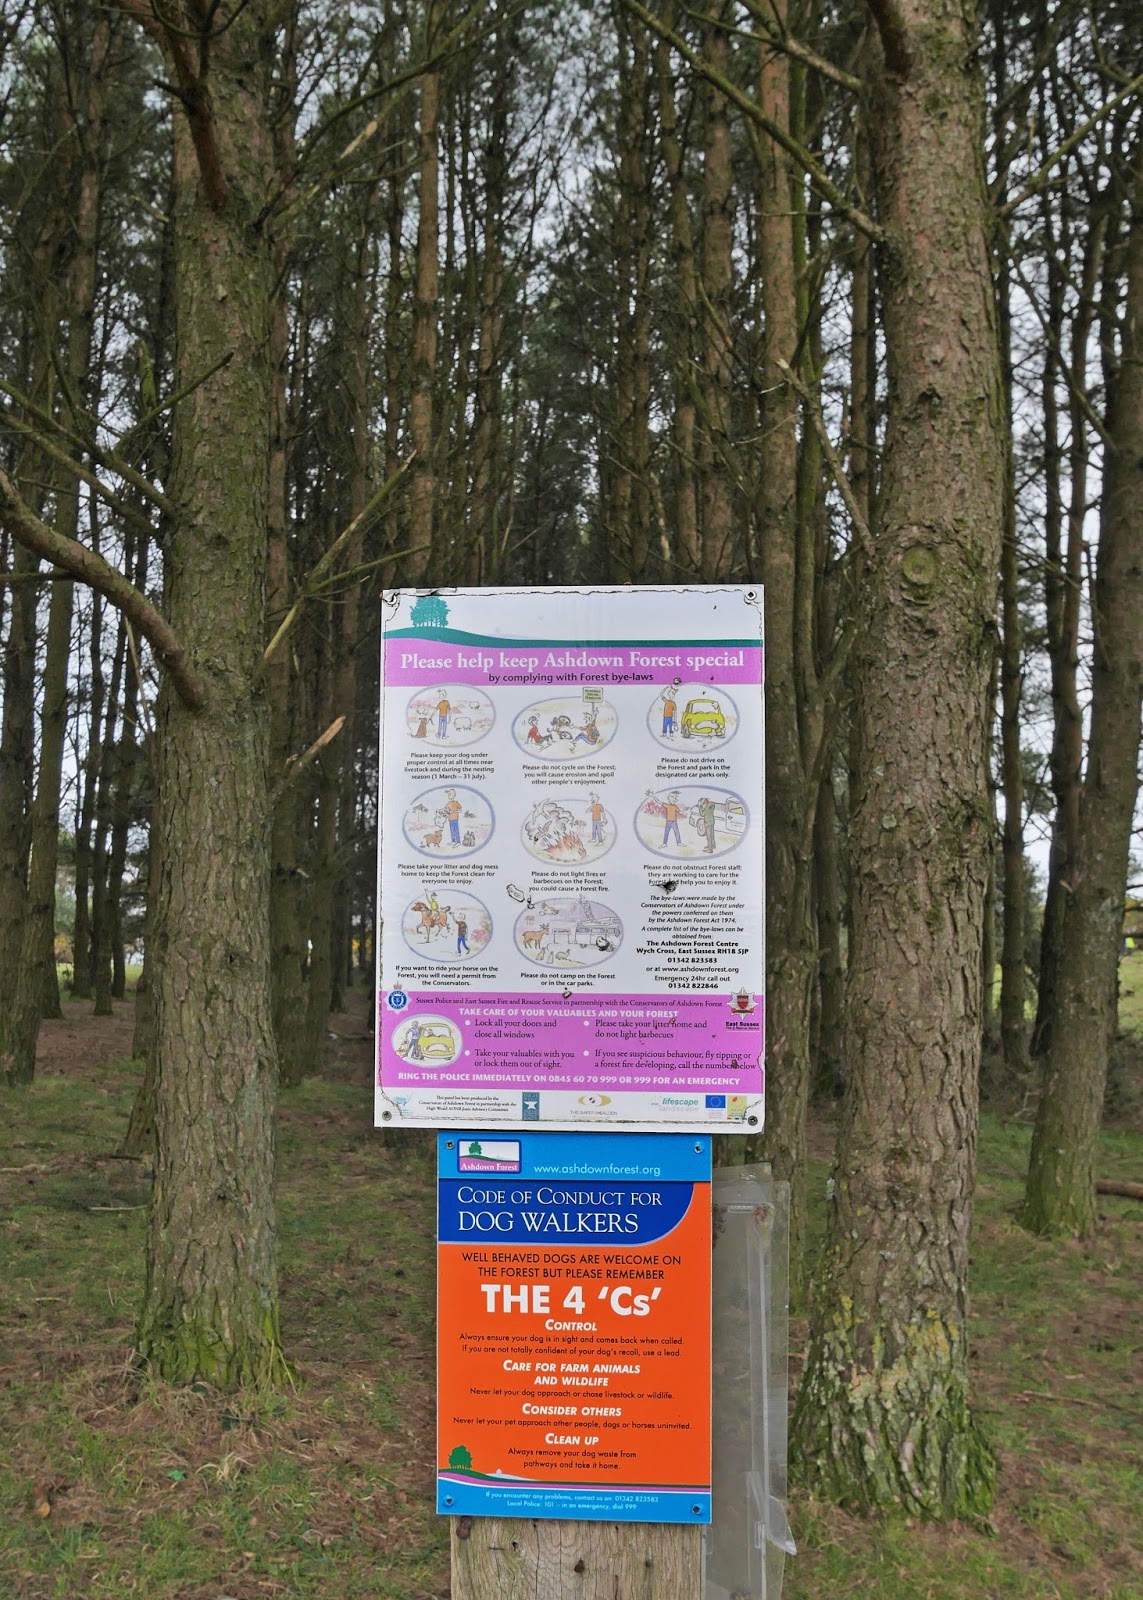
(111, 1484)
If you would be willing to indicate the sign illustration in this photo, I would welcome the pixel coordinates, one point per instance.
(571, 858)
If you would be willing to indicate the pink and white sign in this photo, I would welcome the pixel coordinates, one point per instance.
(571, 859)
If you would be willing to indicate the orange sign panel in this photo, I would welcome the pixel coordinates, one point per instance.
(574, 1326)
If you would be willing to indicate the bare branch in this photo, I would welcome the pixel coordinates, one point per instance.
(90, 568)
(1044, 172)
(296, 765)
(783, 40)
(817, 175)
(190, 76)
(319, 570)
(101, 454)
(131, 513)
(845, 488)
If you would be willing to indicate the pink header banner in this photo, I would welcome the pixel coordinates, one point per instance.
(408, 660)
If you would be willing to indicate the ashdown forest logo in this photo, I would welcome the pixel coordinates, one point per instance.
(430, 611)
(489, 1155)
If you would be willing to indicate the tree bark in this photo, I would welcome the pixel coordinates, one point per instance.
(882, 1417)
(287, 884)
(1060, 1193)
(717, 216)
(210, 1307)
(1065, 592)
(1013, 988)
(793, 715)
(688, 554)
(422, 485)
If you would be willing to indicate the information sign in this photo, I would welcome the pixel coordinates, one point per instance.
(573, 1326)
(571, 862)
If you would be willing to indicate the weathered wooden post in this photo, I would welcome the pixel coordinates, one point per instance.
(571, 885)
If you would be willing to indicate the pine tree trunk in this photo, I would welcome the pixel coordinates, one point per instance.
(287, 885)
(687, 552)
(1063, 618)
(102, 915)
(1060, 1194)
(210, 1308)
(829, 1073)
(18, 1048)
(717, 215)
(17, 754)
(882, 1417)
(89, 773)
(422, 478)
(1013, 986)
(793, 720)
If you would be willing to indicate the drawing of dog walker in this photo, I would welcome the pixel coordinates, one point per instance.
(450, 820)
(448, 715)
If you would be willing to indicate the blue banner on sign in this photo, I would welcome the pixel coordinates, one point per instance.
(559, 1211)
(671, 1156)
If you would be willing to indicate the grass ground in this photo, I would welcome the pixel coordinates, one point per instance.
(110, 1484)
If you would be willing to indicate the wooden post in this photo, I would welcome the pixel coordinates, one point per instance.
(515, 1558)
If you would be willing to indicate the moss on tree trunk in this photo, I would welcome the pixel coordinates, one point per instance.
(883, 1417)
(210, 1308)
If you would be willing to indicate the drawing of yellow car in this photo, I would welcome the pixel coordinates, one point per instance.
(703, 717)
(432, 1043)
(437, 1044)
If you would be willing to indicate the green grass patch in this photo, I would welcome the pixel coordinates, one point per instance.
(325, 1491)
(1131, 992)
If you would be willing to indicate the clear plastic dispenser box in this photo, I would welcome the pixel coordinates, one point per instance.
(747, 1542)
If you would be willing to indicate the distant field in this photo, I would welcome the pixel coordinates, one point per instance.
(1131, 992)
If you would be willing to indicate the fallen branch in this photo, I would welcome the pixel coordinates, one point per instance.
(1068, 1400)
(90, 568)
(1131, 1191)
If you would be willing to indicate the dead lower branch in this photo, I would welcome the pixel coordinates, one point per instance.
(90, 568)
(1130, 1191)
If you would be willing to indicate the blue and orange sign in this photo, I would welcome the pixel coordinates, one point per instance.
(573, 1342)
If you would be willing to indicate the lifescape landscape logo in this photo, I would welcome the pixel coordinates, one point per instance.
(489, 1155)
